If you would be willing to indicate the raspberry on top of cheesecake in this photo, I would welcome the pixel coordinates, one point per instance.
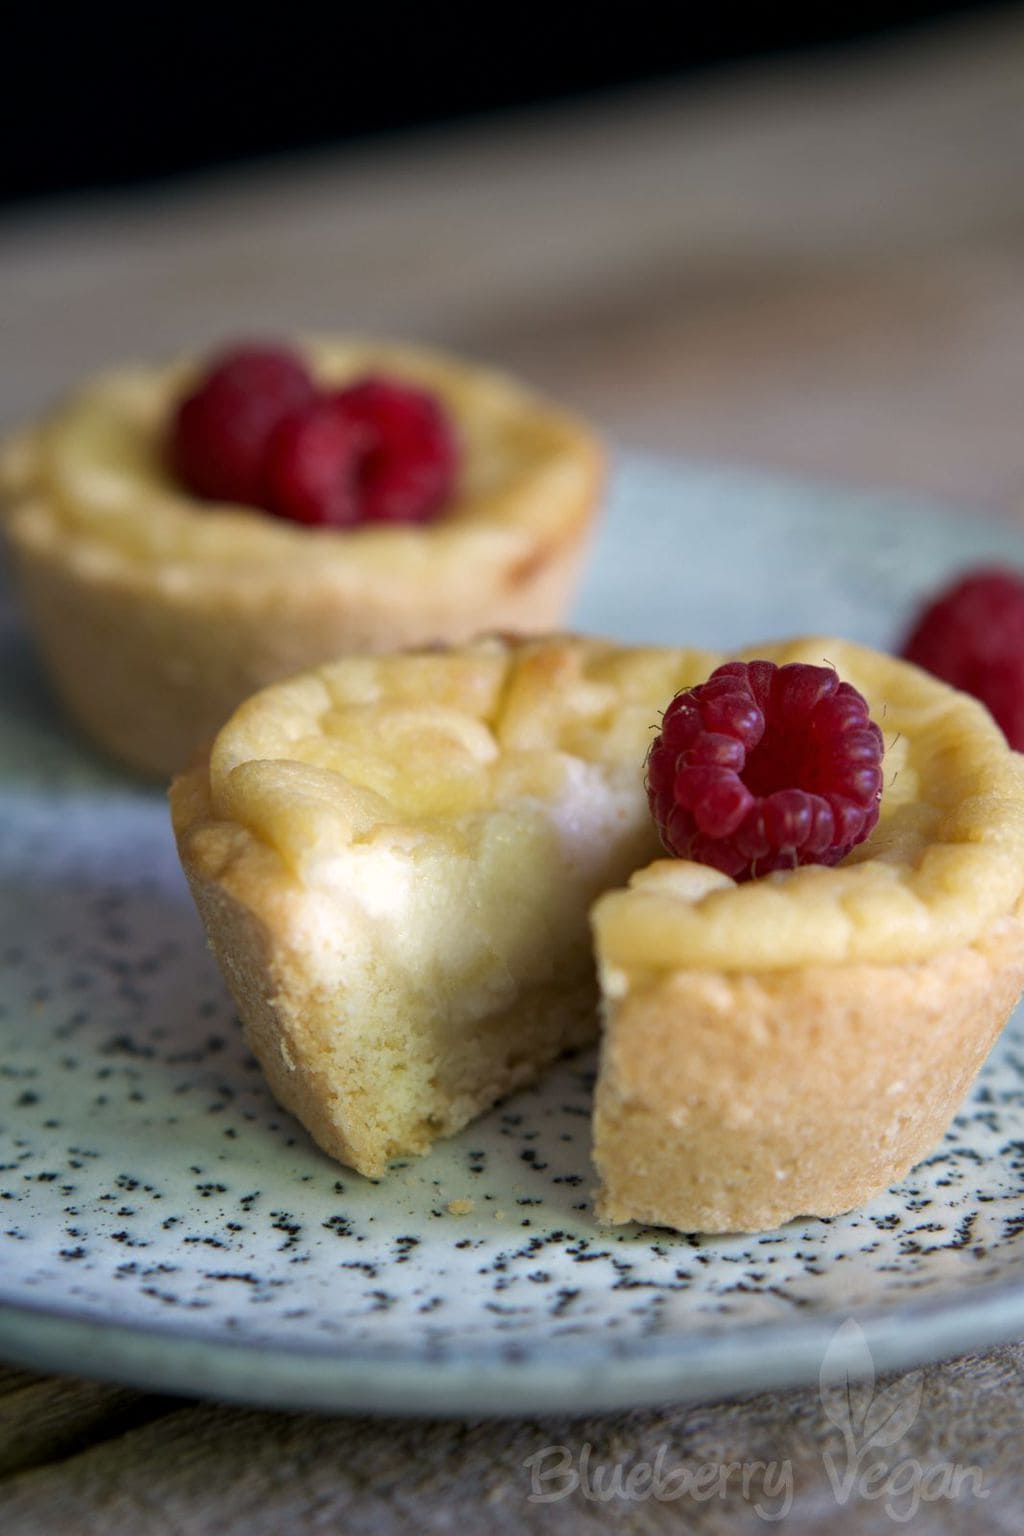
(258, 429)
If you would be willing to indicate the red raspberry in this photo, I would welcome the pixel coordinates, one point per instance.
(257, 430)
(972, 635)
(765, 767)
(312, 466)
(374, 452)
(408, 468)
(221, 430)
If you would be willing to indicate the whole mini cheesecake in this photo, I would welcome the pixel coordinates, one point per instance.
(184, 535)
(427, 875)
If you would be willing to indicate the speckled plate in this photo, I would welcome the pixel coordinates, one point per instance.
(164, 1223)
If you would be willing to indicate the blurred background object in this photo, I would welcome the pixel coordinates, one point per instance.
(96, 96)
(812, 259)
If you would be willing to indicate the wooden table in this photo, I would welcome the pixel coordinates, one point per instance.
(818, 267)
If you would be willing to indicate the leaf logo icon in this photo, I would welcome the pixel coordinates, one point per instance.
(847, 1379)
(892, 1412)
(871, 1420)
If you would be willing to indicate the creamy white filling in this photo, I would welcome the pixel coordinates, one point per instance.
(463, 924)
(593, 815)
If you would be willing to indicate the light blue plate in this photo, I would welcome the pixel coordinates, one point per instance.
(162, 1222)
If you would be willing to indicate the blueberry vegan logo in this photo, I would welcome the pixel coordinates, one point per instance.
(560, 1472)
(872, 1421)
(865, 1425)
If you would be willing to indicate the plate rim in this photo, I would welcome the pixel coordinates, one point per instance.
(721, 1363)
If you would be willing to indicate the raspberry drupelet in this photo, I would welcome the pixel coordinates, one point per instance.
(764, 768)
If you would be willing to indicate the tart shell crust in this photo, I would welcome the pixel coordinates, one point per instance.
(734, 1103)
(148, 670)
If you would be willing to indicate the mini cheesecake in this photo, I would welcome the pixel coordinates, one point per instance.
(420, 872)
(156, 613)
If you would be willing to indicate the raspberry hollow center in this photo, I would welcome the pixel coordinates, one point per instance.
(765, 767)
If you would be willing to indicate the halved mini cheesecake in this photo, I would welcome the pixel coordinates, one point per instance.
(793, 1045)
(397, 859)
(157, 612)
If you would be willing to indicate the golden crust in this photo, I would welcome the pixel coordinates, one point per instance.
(157, 617)
(749, 1073)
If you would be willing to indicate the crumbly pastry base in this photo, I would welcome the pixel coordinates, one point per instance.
(156, 615)
(734, 1103)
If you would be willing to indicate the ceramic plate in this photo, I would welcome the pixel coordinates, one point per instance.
(162, 1222)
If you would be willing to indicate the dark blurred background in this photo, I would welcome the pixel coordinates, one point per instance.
(105, 95)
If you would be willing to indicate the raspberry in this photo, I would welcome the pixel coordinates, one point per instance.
(972, 635)
(374, 452)
(765, 767)
(407, 472)
(311, 470)
(221, 430)
(257, 430)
